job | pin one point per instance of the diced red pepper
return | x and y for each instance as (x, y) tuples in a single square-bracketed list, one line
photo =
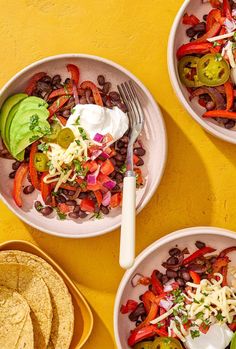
[(74, 71), (199, 253), (213, 31), (220, 114), (97, 186), (63, 208), (226, 10), (98, 196), (229, 91), (190, 19), (91, 166), (224, 272), (18, 182), (32, 170), (227, 250), (150, 316), (32, 83), (135, 159), (87, 205), (62, 120), (194, 48), (96, 94), (116, 200), (45, 188), (58, 104), (213, 16), (144, 280), (195, 277), (232, 326), (130, 306), (107, 138), (107, 167), (157, 286), (145, 332)]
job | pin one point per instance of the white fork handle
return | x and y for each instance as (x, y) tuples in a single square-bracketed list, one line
[(127, 238)]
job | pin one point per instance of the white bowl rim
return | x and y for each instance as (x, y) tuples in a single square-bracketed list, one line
[(162, 130), (181, 233), (175, 84)]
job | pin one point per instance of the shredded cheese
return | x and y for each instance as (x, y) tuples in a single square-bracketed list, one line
[(221, 37)]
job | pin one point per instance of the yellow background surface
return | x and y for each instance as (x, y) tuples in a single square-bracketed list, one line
[(198, 187)]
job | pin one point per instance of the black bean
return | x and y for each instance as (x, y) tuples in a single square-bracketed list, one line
[(46, 211), (140, 162), (43, 86), (113, 161), (135, 314), (143, 317), (91, 100), (74, 215), (172, 260), (120, 163), (200, 244), (171, 273), (159, 275), (200, 34), (118, 157), (137, 323), (65, 191), (181, 282), (198, 268), (200, 27), (82, 214), (12, 174), (68, 81), (56, 79), (46, 79), (114, 95), (125, 139), (230, 124), (174, 252), (71, 202), (165, 279), (48, 200), (16, 165), (83, 100), (77, 208), (139, 151), (106, 88), (185, 275), (108, 103), (190, 32), (120, 144), (119, 178), (101, 80), (123, 151), (71, 192), (116, 189), (82, 195), (205, 17), (38, 206), (60, 199), (192, 39), (28, 190), (213, 259), (122, 106), (104, 209), (66, 113)]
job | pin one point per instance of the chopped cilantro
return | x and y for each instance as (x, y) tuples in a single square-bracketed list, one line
[(178, 296), (234, 36), (218, 57), (200, 315), (43, 147), (61, 216), (160, 324), (219, 317), (195, 333), (72, 111), (184, 319), (196, 301), (80, 169), (97, 215), (34, 121), (77, 141), (123, 168), (54, 193), (83, 133), (83, 185), (215, 44)]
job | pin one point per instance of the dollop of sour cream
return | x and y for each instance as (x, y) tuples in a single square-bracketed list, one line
[(95, 119), (217, 337)]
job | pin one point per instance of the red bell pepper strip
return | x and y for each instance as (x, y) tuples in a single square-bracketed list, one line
[(148, 298), (67, 90), (32, 170), (199, 253), (195, 276), (227, 250), (74, 71), (157, 286), (224, 272), (62, 120), (151, 316), (58, 104), (220, 114), (190, 19), (145, 332), (226, 10), (45, 188), (212, 32), (220, 266), (194, 48), (131, 305), (213, 16), (96, 95), (98, 196), (32, 83), (18, 181), (215, 3), (107, 167), (229, 91)]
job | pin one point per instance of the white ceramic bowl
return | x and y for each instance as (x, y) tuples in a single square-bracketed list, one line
[(177, 38), (153, 137), (152, 258)]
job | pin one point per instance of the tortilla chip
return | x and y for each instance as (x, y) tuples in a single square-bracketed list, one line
[(26, 339), (63, 312), (23, 280), (14, 311)]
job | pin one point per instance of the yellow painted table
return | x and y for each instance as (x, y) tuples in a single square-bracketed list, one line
[(199, 181)]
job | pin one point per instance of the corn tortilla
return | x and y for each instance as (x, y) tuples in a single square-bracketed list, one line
[(26, 339), (63, 312)]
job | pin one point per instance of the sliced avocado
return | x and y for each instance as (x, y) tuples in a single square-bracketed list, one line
[(30, 103), (9, 103)]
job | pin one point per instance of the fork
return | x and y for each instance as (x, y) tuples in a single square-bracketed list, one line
[(136, 121)]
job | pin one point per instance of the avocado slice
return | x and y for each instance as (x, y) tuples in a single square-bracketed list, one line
[(9, 103), (26, 129), (19, 110)]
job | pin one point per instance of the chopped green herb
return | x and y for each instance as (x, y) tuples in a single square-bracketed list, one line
[(98, 215), (123, 168), (196, 301), (219, 317), (83, 185), (215, 44), (234, 36), (43, 147), (54, 193), (61, 216), (200, 315), (80, 169), (83, 134), (78, 141), (34, 121), (178, 296), (218, 57), (184, 319), (195, 333)]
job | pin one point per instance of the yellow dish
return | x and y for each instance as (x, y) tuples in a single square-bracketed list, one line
[(83, 315)]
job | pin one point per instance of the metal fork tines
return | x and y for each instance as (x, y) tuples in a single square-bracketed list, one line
[(136, 118)]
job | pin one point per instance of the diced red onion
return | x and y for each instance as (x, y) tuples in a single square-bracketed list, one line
[(105, 155), (96, 154), (98, 137), (168, 288), (216, 97), (110, 184), (166, 304), (106, 199), (92, 177)]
